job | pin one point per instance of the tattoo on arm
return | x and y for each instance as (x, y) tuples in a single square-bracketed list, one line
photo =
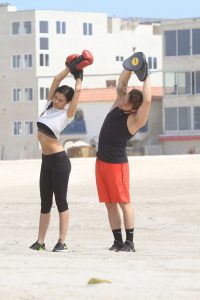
[(122, 88)]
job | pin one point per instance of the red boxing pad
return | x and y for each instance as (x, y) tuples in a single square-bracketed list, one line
[(81, 61), (82, 65), (70, 58), (88, 56)]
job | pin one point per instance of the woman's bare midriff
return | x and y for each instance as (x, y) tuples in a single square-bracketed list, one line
[(49, 145)]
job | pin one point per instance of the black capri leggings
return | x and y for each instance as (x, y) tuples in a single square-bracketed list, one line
[(54, 177)]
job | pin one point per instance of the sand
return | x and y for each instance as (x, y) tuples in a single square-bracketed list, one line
[(166, 194)]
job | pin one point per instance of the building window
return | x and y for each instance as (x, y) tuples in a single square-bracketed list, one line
[(171, 118), (44, 93), (152, 63), (27, 27), (119, 58), (44, 27), (44, 60), (184, 83), (184, 118), (110, 83), (177, 118), (177, 42), (28, 127), (87, 28), (44, 43), (17, 128), (196, 118), (170, 86), (27, 60), (196, 41), (16, 61), (15, 28), (170, 43), (184, 42), (178, 83), (60, 27), (28, 94), (197, 82), (16, 95)]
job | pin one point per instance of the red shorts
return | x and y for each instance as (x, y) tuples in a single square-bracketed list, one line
[(112, 182)]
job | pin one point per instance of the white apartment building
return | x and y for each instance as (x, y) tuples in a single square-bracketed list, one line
[(33, 47), (181, 99)]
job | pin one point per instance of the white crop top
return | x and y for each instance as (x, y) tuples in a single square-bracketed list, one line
[(55, 119)]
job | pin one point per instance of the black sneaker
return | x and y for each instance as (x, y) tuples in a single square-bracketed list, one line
[(59, 247), (37, 246), (128, 247), (116, 246)]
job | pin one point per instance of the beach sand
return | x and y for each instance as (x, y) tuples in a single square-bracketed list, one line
[(166, 194)]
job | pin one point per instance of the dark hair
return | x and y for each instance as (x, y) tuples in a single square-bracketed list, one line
[(67, 91), (135, 98)]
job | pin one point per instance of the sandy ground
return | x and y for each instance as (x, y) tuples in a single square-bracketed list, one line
[(166, 194)]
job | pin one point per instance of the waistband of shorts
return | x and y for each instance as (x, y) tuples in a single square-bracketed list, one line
[(111, 163), (52, 156)]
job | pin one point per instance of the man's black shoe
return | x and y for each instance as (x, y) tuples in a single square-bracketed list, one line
[(117, 246), (128, 247)]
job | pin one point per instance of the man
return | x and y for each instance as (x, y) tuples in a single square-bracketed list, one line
[(128, 114)]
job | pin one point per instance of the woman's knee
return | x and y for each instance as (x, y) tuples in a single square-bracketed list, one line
[(46, 205), (45, 209), (62, 205)]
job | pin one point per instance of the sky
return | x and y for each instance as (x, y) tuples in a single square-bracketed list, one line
[(164, 9)]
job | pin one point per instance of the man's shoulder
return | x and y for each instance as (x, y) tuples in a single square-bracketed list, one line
[(115, 106)]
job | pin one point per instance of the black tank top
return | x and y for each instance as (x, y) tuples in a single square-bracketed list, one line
[(113, 137)]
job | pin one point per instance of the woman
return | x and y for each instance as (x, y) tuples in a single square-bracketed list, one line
[(56, 166)]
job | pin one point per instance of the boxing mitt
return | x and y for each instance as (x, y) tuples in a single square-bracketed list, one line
[(70, 58), (143, 73), (78, 63), (137, 63)]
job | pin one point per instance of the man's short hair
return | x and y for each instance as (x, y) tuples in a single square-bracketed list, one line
[(135, 98)]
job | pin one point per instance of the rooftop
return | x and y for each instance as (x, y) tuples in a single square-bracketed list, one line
[(109, 94)]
